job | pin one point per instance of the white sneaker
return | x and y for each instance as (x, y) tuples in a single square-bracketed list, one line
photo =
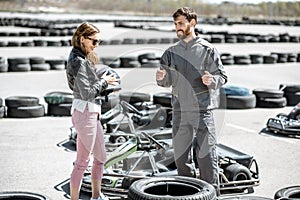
[(103, 197)]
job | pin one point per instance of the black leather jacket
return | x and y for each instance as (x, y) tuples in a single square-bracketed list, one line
[(82, 77)]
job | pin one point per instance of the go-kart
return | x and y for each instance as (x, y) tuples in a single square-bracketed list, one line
[(151, 118), (146, 155), (286, 124)]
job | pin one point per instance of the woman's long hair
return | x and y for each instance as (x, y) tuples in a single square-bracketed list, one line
[(85, 29)]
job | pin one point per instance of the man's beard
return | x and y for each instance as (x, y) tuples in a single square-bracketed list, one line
[(185, 32)]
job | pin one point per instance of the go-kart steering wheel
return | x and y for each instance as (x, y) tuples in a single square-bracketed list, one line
[(153, 140), (128, 107)]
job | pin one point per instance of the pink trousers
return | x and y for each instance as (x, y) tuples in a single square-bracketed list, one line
[(90, 139)]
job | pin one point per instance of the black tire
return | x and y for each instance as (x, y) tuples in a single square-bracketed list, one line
[(242, 60), (134, 97), (289, 88), (59, 109), (16, 101), (19, 67), (256, 58), (246, 198), (227, 59), (171, 188), (36, 60), (22, 195), (57, 64), (270, 59), (240, 102), (271, 102), (40, 67), (26, 111), (291, 192), (163, 98), (237, 172), (128, 61), (292, 98), (58, 97), (268, 93)]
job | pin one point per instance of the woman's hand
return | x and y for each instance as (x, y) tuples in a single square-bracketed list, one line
[(110, 79)]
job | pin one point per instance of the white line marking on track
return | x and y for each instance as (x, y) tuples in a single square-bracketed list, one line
[(253, 131), (242, 128)]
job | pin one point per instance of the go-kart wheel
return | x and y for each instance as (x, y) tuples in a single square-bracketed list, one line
[(120, 139), (130, 108), (292, 192), (237, 172), (171, 188)]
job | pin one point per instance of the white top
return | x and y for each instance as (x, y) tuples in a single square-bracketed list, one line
[(80, 105)]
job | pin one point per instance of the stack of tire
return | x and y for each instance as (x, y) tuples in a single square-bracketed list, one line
[(38, 64), (59, 103), (18, 64), (24, 107), (291, 93), (2, 109), (269, 98), (237, 97), (56, 64)]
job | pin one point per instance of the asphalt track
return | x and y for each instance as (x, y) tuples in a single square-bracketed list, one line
[(35, 155)]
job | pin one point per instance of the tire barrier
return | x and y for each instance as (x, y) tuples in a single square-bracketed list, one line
[(269, 98), (291, 93), (24, 107), (38, 64), (56, 64), (237, 97), (59, 103), (18, 64), (273, 58), (24, 64), (130, 41), (291, 192), (22, 196)]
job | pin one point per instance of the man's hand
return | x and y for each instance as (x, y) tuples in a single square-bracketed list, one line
[(160, 74), (207, 78)]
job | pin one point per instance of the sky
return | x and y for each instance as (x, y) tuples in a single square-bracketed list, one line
[(246, 1)]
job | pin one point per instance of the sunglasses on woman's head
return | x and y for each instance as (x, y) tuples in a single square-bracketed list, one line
[(95, 41)]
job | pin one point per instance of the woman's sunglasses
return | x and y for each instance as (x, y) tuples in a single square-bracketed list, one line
[(95, 42)]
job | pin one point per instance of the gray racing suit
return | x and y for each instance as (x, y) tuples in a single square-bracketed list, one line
[(192, 103)]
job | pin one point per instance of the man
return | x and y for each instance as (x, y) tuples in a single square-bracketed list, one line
[(194, 69)]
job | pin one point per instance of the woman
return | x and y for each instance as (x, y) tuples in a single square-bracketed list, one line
[(86, 86)]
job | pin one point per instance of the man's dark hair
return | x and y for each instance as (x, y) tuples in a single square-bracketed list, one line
[(188, 12)]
